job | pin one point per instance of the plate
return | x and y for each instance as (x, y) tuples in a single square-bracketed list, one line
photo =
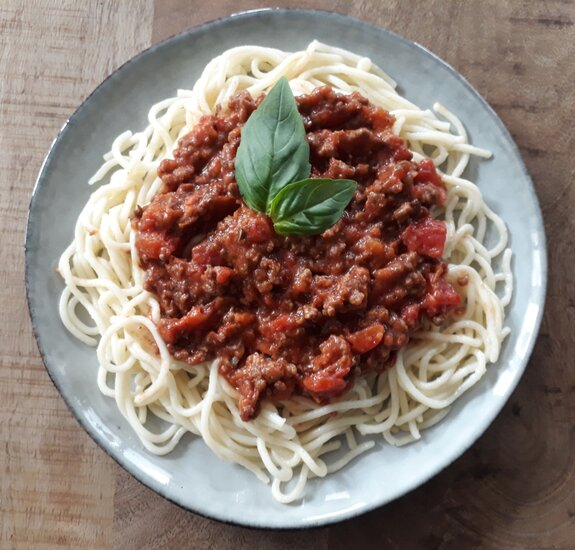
[(192, 476)]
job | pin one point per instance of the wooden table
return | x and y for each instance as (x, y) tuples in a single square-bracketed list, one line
[(514, 489)]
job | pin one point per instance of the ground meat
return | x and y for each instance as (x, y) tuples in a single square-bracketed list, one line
[(295, 314)]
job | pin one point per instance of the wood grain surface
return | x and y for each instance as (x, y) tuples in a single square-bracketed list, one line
[(515, 488)]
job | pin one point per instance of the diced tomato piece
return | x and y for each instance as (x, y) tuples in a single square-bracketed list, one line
[(331, 367), (426, 237), (366, 339), (402, 153), (197, 318), (223, 274), (428, 186), (440, 298), (269, 328), (282, 323), (326, 386), (206, 253), (382, 119), (259, 229), (410, 314), (152, 244), (427, 173)]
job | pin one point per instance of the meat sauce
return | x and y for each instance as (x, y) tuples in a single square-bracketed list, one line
[(303, 315)]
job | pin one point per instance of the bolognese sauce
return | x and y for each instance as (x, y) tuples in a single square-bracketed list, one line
[(302, 315)]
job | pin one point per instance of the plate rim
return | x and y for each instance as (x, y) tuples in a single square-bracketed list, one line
[(538, 293)]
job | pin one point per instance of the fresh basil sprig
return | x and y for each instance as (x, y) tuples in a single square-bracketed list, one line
[(310, 206), (272, 170), (273, 151)]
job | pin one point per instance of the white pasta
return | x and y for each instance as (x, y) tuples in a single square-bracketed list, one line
[(288, 442)]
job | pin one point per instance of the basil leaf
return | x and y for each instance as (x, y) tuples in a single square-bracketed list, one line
[(310, 206), (273, 150)]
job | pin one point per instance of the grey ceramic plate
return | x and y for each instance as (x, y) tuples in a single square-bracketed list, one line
[(192, 476)]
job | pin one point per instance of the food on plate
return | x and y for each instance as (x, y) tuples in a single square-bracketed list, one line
[(300, 313), (287, 261)]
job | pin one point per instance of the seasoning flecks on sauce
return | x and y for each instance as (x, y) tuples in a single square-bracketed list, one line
[(302, 315)]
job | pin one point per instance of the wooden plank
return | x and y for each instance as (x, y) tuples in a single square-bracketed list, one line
[(56, 485), (514, 489), (145, 520)]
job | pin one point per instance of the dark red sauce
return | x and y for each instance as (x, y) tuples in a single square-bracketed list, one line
[(296, 314)]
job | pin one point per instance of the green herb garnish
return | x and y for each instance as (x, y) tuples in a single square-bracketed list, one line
[(272, 170), (310, 206)]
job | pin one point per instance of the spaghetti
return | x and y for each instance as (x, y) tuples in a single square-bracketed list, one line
[(293, 438)]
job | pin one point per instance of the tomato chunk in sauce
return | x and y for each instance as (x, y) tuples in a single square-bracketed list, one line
[(302, 315)]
